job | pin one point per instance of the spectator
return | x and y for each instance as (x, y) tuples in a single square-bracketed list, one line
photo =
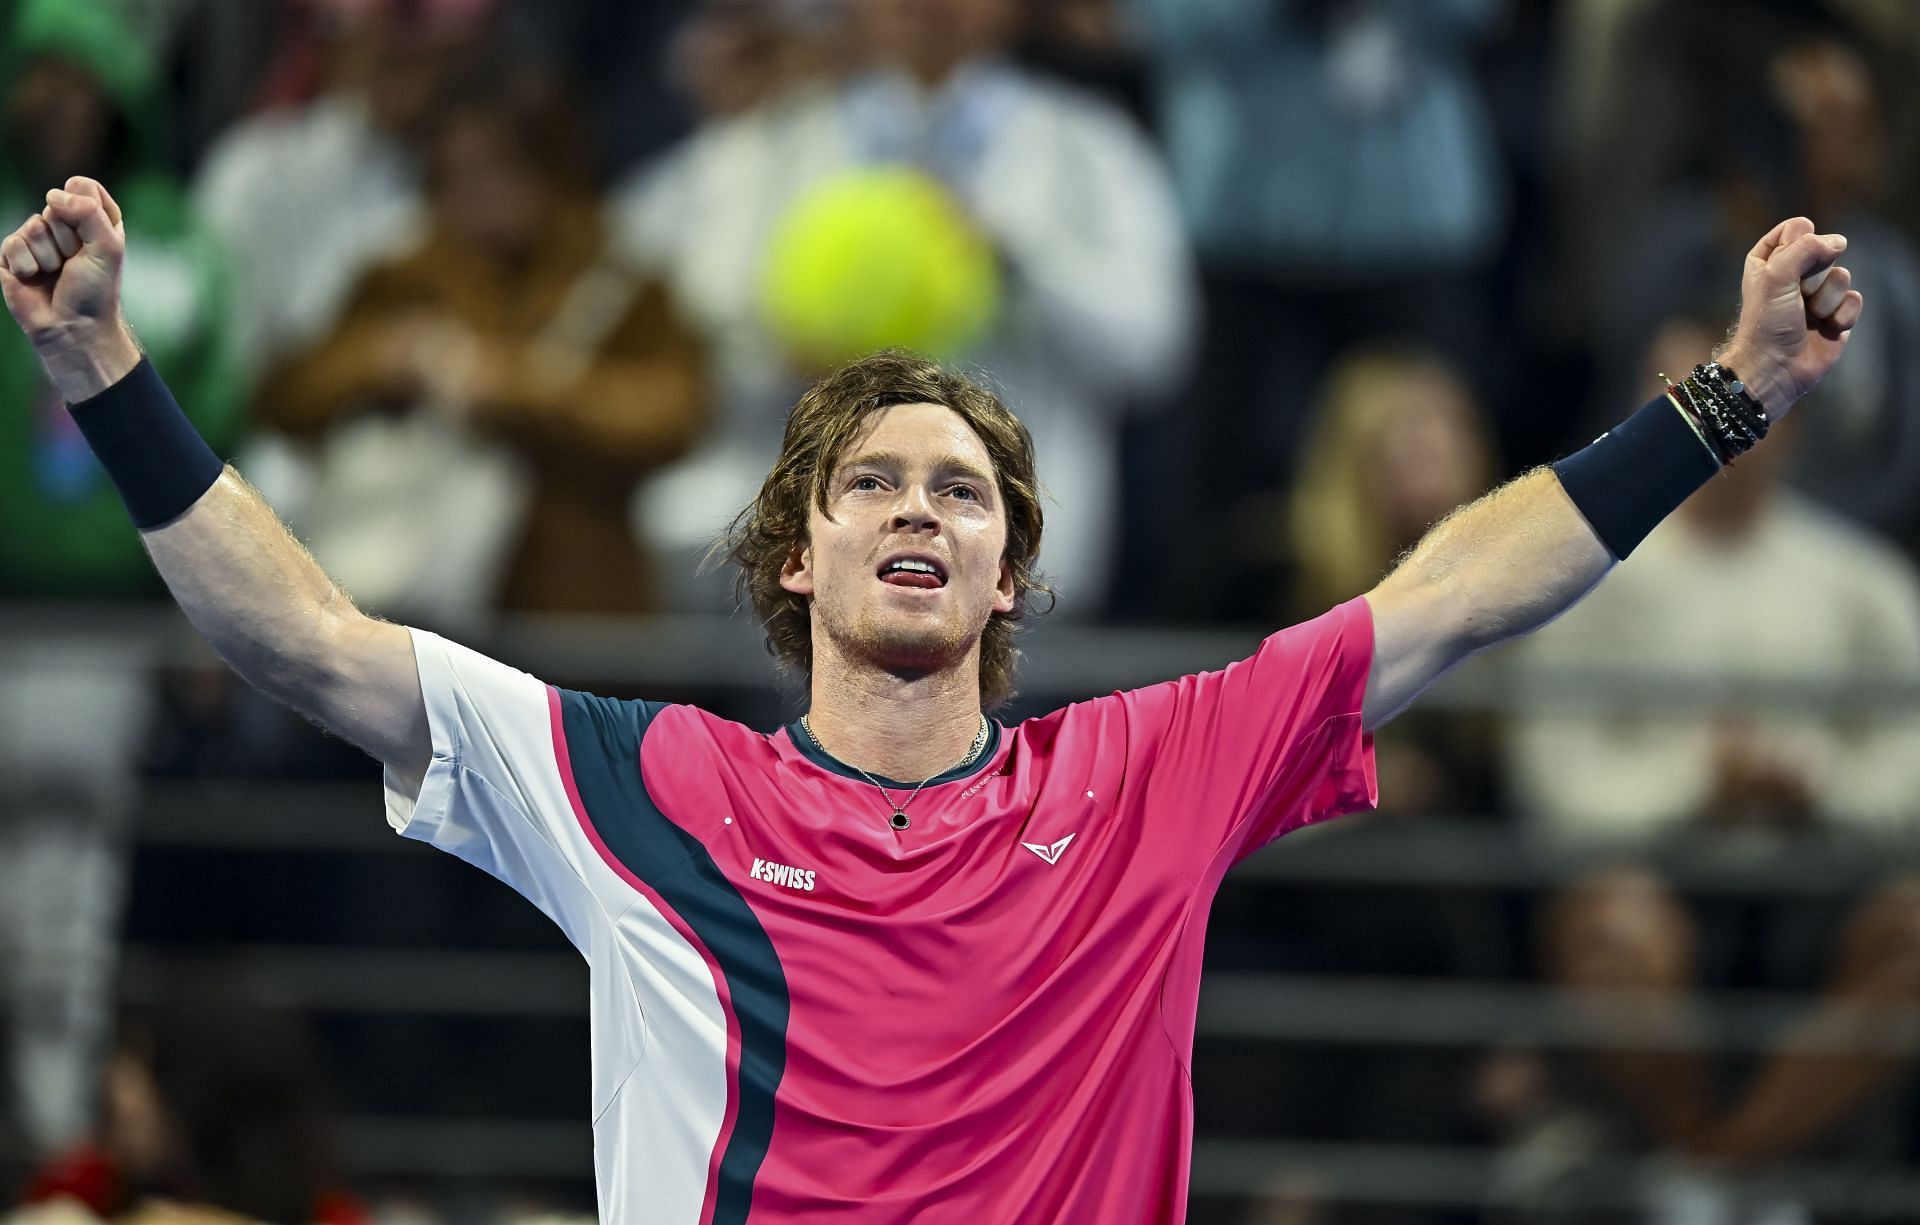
[(1331, 145), (1397, 441), (1098, 310), (615, 55), (1813, 141), (212, 1114), (81, 97), (1093, 44), (309, 194), (1623, 943), (1861, 450), (1340, 175), (1748, 581), (502, 386), (733, 56)]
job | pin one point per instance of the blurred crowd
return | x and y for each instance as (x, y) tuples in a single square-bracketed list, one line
[(501, 303)]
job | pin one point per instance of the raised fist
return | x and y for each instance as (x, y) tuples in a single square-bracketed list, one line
[(1797, 305), (60, 275)]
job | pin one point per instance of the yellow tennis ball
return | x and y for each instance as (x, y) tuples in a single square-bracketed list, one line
[(873, 259)]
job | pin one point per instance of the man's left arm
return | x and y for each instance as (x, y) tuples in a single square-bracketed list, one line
[(1515, 559)]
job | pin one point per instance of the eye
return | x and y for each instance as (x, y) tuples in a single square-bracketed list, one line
[(864, 484), (965, 492)]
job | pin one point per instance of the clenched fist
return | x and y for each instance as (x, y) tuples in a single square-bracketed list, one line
[(60, 275), (1797, 305)]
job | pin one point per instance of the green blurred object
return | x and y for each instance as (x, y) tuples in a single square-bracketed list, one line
[(63, 531), (95, 36), (874, 259)]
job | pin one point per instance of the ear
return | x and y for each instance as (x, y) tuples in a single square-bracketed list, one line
[(1003, 589), (796, 573)]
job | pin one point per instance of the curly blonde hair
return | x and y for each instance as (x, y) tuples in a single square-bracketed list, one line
[(826, 421)]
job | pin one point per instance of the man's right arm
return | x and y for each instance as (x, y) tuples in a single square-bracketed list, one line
[(243, 580), (274, 616)]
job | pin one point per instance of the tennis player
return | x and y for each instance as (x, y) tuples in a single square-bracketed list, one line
[(896, 961)]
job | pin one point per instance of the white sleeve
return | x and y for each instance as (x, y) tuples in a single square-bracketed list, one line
[(494, 793)]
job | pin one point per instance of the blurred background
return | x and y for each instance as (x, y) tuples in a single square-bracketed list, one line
[(501, 302)]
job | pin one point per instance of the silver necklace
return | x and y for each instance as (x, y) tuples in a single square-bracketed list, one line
[(898, 819)]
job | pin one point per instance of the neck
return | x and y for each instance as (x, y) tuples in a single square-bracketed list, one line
[(893, 725), (934, 67)]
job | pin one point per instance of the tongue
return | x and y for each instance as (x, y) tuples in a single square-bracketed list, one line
[(910, 578)]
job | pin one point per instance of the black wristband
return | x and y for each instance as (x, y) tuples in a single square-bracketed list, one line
[(156, 459), (1636, 474)]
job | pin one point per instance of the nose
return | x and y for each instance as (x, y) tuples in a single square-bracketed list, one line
[(914, 510)]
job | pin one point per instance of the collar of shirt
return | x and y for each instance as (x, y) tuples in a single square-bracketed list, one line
[(946, 130)]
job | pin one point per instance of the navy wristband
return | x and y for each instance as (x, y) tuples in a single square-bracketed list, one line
[(1636, 474), (155, 457)]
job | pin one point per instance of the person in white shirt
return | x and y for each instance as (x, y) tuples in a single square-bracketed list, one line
[(308, 197), (1099, 307), (1841, 605), (1748, 583)]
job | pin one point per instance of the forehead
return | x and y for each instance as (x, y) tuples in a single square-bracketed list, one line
[(928, 433)]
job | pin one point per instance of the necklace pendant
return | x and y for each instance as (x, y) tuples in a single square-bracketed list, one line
[(898, 820)]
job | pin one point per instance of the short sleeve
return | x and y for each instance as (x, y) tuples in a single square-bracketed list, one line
[(497, 790), (1270, 743)]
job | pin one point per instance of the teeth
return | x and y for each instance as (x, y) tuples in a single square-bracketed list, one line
[(918, 566)]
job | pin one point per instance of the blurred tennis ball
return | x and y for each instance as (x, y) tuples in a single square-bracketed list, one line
[(873, 259)]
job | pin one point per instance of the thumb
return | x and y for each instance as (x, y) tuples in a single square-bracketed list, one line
[(1807, 256), (81, 185)]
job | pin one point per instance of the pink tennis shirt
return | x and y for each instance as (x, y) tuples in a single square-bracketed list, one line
[(801, 1014)]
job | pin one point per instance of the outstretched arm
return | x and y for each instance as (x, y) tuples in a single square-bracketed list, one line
[(245, 583), (1492, 570), (1520, 556)]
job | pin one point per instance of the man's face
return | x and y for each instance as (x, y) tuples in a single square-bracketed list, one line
[(57, 119), (906, 571), (930, 36)]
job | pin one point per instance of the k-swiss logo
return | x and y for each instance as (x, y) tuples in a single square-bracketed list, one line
[(1049, 853), (781, 874)]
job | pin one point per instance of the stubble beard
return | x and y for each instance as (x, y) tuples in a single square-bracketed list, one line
[(899, 643)]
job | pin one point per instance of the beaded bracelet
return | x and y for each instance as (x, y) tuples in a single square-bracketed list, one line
[(1726, 389), (1684, 399), (1717, 405)]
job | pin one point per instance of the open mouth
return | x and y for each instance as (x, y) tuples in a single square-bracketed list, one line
[(919, 572)]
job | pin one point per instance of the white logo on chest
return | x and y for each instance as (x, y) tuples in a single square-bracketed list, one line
[(782, 874), (1049, 853)]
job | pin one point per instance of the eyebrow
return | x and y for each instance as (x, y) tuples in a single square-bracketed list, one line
[(952, 464)]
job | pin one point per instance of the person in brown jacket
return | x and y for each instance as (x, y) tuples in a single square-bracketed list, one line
[(540, 377)]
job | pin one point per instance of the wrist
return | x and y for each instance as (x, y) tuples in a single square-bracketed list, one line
[(1764, 381), (149, 448), (1637, 473), (82, 366)]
